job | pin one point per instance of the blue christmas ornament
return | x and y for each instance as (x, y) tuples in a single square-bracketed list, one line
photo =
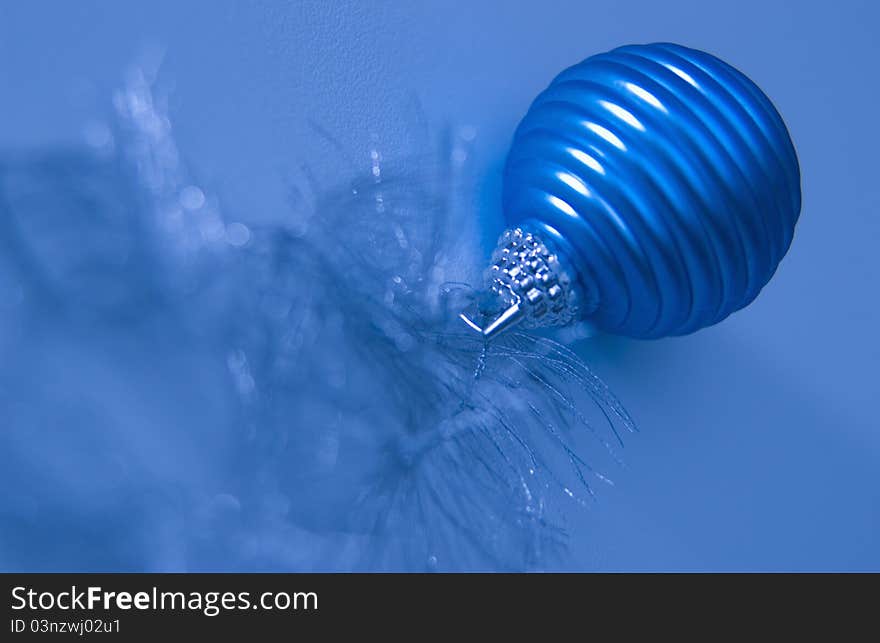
[(651, 190)]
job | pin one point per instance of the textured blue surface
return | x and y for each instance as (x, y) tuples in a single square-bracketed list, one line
[(671, 177), (759, 443)]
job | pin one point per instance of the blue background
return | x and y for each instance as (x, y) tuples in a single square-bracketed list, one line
[(760, 440)]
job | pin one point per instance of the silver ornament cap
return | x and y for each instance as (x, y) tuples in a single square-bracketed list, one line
[(527, 285)]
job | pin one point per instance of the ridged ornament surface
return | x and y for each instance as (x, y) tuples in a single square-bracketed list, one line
[(668, 180)]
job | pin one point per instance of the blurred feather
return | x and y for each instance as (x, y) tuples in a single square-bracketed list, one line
[(290, 397)]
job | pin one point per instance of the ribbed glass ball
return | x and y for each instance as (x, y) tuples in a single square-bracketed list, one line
[(665, 177)]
